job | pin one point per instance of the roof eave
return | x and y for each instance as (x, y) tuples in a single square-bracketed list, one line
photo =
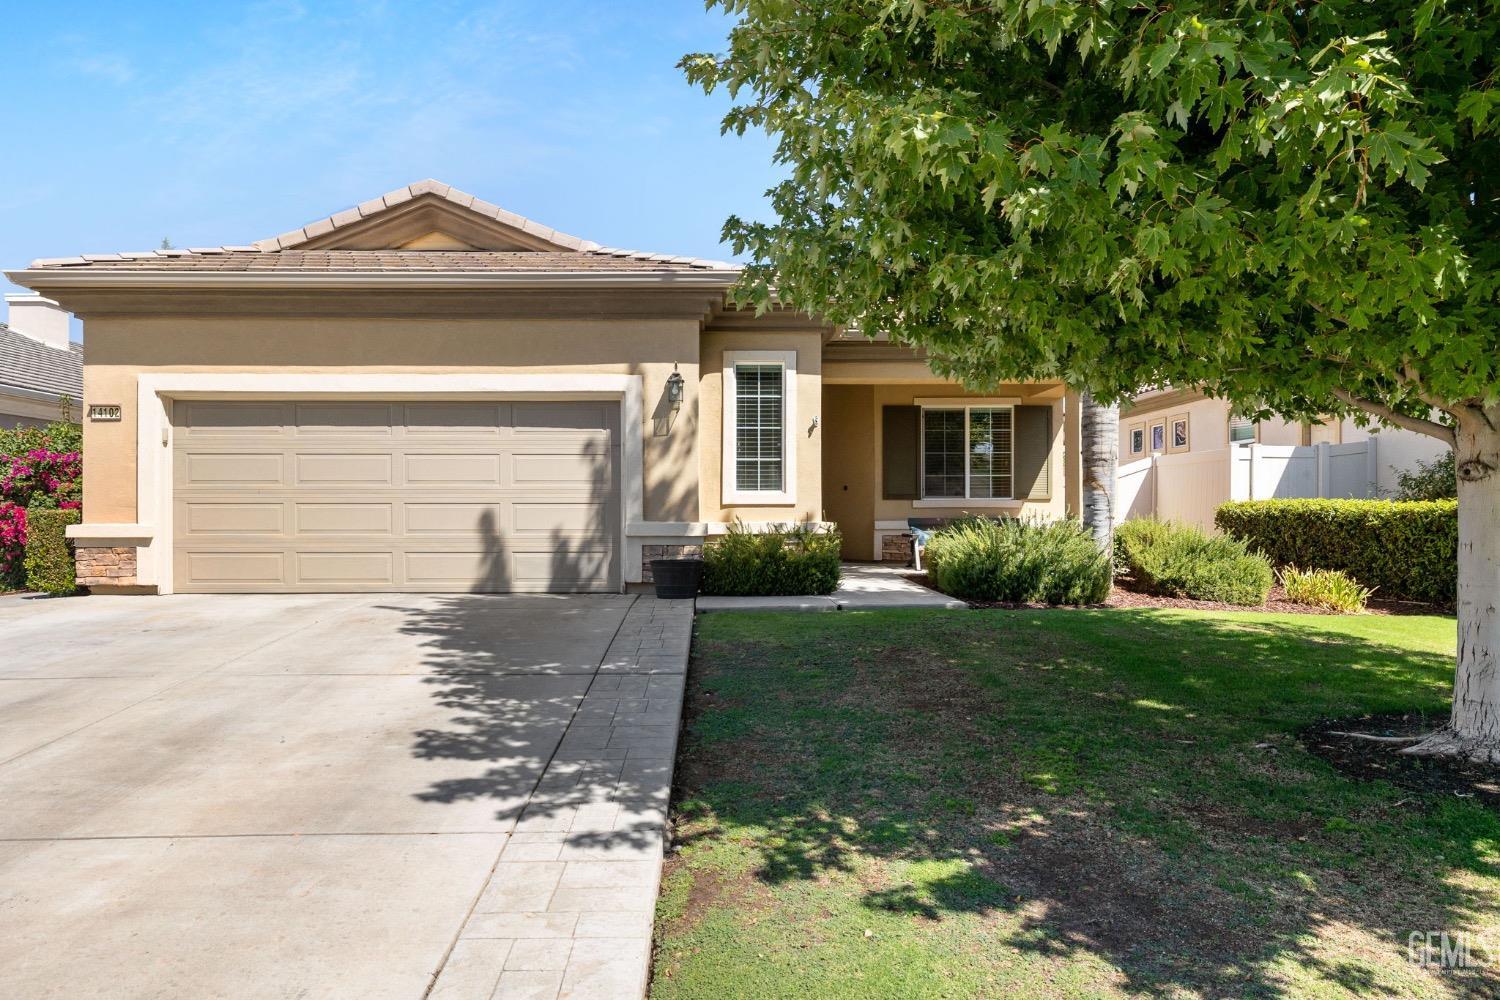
[(87, 277), (36, 395)]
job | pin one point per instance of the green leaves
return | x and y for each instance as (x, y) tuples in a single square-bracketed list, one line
[(1272, 203)]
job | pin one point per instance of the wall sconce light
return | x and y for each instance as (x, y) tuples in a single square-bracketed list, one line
[(674, 389)]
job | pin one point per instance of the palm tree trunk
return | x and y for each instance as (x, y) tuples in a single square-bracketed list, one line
[(1100, 427)]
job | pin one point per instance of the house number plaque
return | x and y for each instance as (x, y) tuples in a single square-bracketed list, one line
[(104, 411)]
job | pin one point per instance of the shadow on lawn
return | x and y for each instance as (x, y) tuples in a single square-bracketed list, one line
[(1118, 784)]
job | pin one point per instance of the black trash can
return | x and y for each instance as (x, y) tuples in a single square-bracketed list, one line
[(677, 578)]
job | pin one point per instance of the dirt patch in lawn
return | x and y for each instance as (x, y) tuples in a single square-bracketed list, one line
[(1075, 882), (1125, 595), (1371, 760)]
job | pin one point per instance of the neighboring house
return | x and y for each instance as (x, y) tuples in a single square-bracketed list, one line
[(39, 367), (1183, 453), (426, 392)]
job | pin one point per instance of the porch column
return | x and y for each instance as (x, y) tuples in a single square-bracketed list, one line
[(1072, 455)]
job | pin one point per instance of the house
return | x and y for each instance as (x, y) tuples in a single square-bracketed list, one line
[(41, 371), (1183, 453), (426, 392)]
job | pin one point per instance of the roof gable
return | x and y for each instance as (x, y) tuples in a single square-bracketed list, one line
[(427, 215)]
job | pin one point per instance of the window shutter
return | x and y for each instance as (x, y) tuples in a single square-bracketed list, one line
[(1033, 453), (900, 452)]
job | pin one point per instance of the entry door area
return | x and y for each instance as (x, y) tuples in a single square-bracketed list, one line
[(396, 495)]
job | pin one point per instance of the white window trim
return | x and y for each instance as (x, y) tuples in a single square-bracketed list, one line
[(732, 494), (1254, 437), (966, 500)]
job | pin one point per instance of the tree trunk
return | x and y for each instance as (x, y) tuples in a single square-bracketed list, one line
[(1100, 427), (1474, 729)]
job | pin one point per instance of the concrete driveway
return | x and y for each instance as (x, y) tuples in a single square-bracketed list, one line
[(308, 796)]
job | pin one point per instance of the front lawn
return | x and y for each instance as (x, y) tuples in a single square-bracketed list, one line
[(1060, 804)]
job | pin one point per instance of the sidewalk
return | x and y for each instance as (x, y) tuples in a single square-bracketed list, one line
[(568, 909)]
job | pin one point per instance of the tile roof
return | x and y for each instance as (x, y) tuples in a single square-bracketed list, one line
[(229, 260), (29, 364), (561, 253)]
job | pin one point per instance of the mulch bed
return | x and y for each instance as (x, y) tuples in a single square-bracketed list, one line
[(1369, 760), (1125, 596)]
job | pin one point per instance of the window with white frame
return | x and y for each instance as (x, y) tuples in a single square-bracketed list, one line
[(759, 413), (1241, 430), (968, 453), (760, 416)]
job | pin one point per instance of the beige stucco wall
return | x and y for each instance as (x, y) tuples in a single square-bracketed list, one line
[(1208, 427), (121, 348), (808, 494)]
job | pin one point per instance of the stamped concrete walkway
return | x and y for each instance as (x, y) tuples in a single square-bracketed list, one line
[(334, 796)]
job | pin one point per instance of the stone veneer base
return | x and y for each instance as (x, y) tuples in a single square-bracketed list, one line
[(105, 566), (650, 552)]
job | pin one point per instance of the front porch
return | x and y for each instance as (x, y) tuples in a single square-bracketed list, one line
[(901, 442)]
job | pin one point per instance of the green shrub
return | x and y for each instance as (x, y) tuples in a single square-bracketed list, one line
[(1434, 480), (1404, 550), (49, 556), (794, 561), (1324, 588), (1050, 562), (1179, 560)]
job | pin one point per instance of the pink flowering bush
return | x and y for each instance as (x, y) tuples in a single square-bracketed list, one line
[(40, 468), (12, 545)]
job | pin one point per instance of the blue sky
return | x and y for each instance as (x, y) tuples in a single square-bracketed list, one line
[(215, 123)]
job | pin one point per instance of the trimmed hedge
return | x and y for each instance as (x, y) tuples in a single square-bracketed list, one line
[(1406, 550), (1016, 561), (49, 556), (1179, 560), (793, 562)]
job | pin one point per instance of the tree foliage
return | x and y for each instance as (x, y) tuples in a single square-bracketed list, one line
[(1291, 204)]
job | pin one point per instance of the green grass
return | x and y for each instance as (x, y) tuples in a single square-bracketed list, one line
[(1059, 804)]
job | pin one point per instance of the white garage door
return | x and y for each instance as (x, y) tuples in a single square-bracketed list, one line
[(313, 496)]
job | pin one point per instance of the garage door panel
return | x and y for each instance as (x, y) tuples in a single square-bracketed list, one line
[(232, 518), (344, 518), (359, 418), (532, 418), (454, 518), (559, 516), (211, 567), (447, 495), (231, 419), (478, 568), (209, 469), (463, 419), (457, 468), (564, 568), (584, 470), (358, 569), (318, 467)]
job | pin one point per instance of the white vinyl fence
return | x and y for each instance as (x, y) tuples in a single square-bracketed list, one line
[(1190, 486)]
